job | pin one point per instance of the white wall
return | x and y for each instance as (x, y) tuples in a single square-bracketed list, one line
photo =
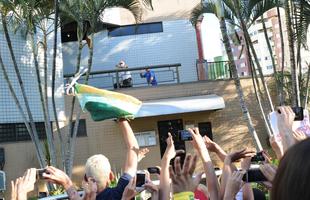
[(211, 37), (22, 50), (176, 44)]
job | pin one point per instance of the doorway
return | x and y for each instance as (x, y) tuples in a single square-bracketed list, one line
[(171, 126)]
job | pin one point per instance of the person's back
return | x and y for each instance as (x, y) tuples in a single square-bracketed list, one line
[(292, 180)]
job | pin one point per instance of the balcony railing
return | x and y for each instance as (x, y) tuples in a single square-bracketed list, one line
[(215, 70), (107, 79)]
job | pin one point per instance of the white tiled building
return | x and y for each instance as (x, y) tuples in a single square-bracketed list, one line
[(24, 57), (176, 43)]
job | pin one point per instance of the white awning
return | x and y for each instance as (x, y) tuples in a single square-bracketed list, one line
[(180, 105)]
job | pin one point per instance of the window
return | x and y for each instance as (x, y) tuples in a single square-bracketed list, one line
[(242, 65), (156, 27), (269, 67), (18, 132), (82, 131), (147, 138)]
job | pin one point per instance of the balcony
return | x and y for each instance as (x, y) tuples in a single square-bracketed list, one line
[(110, 79)]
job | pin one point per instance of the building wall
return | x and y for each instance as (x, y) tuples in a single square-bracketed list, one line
[(228, 125), (22, 50), (176, 44), (229, 128)]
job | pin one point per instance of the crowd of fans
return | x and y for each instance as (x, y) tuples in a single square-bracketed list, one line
[(289, 180)]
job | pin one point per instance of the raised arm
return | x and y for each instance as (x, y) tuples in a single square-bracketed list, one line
[(285, 117), (132, 148), (214, 147), (228, 167), (212, 183), (164, 187)]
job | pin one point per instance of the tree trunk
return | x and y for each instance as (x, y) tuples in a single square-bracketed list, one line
[(47, 119), (272, 58), (233, 68), (258, 95), (47, 127), (21, 84), (70, 130), (62, 146), (295, 88), (307, 88), (77, 119), (251, 47), (281, 88)]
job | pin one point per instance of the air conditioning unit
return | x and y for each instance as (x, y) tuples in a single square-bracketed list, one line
[(2, 181)]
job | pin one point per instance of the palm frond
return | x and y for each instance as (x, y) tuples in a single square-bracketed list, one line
[(210, 7), (259, 7), (301, 16)]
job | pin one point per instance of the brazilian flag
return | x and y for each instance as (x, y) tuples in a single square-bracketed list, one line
[(104, 104)]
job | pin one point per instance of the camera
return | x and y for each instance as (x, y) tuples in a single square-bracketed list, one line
[(258, 157), (153, 170), (140, 181), (185, 135), (254, 175)]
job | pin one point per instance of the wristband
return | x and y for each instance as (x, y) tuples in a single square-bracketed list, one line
[(184, 196)]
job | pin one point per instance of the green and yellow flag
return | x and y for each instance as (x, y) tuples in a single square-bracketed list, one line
[(104, 104)]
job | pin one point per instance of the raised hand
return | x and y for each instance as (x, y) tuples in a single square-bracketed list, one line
[(23, 185), (211, 146), (234, 184), (90, 188), (299, 136), (269, 171), (277, 147), (130, 190), (142, 153), (182, 179), (285, 118), (57, 176), (237, 155)]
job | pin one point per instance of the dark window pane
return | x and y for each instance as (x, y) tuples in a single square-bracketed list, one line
[(22, 133), (7, 132), (18, 132), (136, 29)]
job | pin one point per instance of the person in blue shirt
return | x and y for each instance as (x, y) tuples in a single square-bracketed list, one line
[(150, 77)]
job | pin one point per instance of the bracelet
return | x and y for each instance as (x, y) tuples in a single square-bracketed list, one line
[(184, 196)]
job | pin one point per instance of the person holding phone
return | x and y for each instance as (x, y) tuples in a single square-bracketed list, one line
[(98, 169)]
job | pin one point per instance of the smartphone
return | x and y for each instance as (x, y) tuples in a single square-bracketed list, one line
[(40, 173), (185, 135), (258, 157), (299, 113), (254, 175), (140, 181), (153, 170)]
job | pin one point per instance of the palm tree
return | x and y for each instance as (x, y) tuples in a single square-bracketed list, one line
[(87, 16), (217, 8), (7, 6), (295, 89), (35, 14)]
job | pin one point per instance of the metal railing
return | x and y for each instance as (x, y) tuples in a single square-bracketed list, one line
[(109, 79), (215, 70)]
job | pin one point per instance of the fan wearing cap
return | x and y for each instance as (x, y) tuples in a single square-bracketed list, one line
[(125, 79)]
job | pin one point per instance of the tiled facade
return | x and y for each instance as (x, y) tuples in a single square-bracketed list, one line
[(176, 44), (23, 53)]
